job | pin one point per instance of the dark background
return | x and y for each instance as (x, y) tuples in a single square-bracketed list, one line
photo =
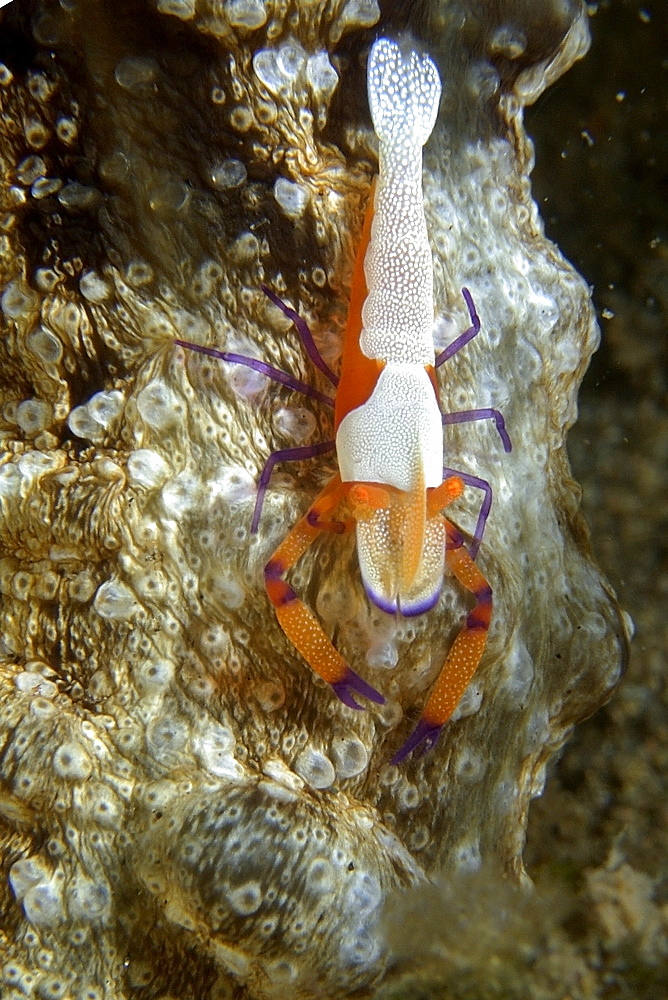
[(601, 181)]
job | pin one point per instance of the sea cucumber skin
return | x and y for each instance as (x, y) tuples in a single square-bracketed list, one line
[(187, 812)]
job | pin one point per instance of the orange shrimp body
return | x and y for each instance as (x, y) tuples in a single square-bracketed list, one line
[(389, 430), (391, 487)]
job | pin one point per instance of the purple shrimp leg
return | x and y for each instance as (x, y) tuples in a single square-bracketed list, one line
[(466, 415), (305, 334), (260, 366), (285, 455), (463, 338), (487, 413), (480, 484)]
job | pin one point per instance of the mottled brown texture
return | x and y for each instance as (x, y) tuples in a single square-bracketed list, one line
[(187, 811)]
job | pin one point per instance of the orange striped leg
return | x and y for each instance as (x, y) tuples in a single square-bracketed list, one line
[(299, 624), (466, 652)]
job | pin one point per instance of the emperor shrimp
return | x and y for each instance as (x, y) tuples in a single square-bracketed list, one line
[(392, 487)]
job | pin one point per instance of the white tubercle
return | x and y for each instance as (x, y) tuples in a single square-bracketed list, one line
[(398, 315)]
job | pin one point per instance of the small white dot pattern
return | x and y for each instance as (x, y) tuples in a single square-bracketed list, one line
[(396, 437), (398, 315)]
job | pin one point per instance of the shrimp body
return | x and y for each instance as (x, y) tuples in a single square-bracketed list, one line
[(389, 426), (394, 436), (391, 487)]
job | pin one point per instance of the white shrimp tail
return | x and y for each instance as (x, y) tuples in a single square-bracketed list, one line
[(404, 92)]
